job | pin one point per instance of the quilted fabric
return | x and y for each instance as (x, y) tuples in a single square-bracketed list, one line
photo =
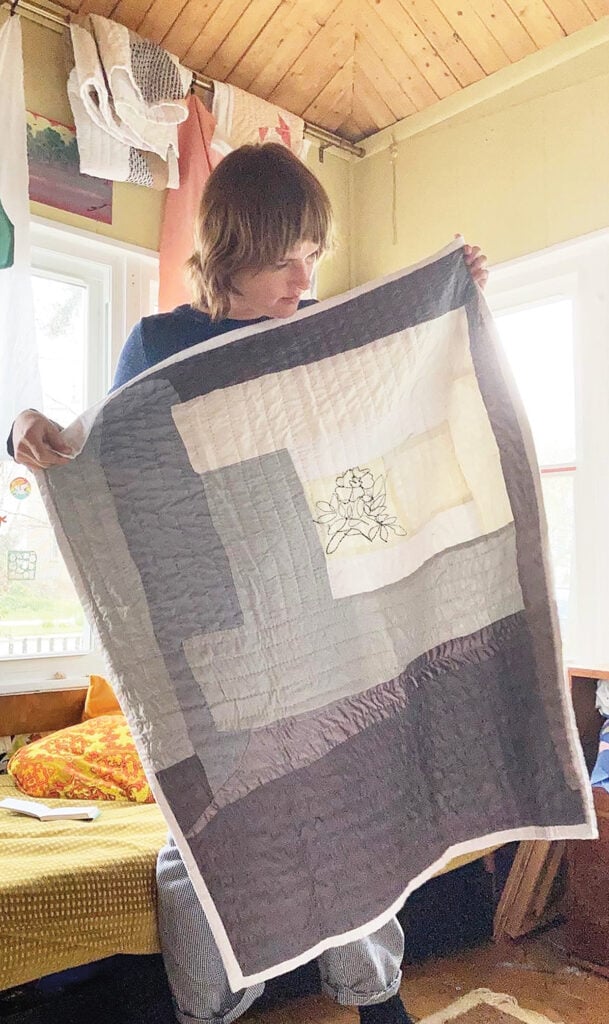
[(95, 760), (315, 555)]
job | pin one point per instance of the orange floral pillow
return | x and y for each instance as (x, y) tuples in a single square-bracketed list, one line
[(95, 760)]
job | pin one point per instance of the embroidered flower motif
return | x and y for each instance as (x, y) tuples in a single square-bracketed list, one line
[(358, 506), (355, 483)]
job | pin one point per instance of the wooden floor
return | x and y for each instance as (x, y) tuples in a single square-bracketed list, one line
[(533, 971)]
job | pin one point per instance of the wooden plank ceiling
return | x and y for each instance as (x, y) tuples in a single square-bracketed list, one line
[(350, 66)]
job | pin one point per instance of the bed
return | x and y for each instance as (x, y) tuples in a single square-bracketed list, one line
[(73, 891)]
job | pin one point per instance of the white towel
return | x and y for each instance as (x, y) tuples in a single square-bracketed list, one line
[(127, 97), (242, 118)]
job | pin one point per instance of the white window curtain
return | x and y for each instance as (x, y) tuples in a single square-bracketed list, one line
[(19, 374)]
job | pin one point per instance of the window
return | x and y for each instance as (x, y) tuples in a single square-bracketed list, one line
[(39, 610), (538, 342), (552, 314), (87, 294)]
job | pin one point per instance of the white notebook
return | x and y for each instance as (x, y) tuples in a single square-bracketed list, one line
[(45, 813)]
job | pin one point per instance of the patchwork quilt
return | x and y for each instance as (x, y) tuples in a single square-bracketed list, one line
[(315, 554)]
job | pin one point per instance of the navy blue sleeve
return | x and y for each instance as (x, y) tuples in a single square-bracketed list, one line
[(132, 360)]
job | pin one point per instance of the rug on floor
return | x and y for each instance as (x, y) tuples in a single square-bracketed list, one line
[(485, 1007)]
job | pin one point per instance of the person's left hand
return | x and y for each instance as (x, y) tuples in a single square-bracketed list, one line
[(477, 264)]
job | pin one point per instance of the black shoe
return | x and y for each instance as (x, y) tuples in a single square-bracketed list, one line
[(390, 1012)]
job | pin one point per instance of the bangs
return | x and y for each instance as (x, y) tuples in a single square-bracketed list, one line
[(263, 235)]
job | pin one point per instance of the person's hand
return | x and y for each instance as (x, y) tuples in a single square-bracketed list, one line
[(477, 264), (37, 441)]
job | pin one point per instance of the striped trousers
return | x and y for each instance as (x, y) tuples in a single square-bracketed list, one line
[(358, 974)]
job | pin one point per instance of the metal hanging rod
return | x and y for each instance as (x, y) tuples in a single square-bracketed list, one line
[(53, 14), (57, 15)]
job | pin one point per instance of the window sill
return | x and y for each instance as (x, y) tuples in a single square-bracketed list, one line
[(36, 675)]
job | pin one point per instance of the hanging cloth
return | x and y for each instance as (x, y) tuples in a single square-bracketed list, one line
[(127, 98), (242, 118), (20, 379), (197, 160)]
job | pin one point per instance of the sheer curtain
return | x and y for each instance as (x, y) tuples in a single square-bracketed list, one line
[(19, 373)]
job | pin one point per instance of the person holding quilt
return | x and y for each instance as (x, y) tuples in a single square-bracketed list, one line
[(264, 223)]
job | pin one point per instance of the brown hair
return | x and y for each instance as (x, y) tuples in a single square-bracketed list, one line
[(257, 204)]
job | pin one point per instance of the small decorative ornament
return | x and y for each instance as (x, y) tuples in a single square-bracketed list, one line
[(21, 565), (20, 488), (358, 506)]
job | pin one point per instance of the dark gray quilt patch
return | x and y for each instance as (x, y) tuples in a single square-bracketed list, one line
[(388, 802), (186, 789)]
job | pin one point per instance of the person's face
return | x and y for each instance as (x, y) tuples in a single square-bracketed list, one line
[(276, 290)]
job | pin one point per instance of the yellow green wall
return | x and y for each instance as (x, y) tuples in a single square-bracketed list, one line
[(516, 173), (335, 175), (137, 211)]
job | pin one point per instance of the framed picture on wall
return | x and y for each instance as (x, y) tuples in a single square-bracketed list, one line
[(55, 177)]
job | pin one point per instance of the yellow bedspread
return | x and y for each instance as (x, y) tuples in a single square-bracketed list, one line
[(76, 891)]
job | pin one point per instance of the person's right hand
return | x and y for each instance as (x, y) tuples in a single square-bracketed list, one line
[(37, 441)]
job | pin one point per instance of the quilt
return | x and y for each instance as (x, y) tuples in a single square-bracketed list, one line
[(315, 554)]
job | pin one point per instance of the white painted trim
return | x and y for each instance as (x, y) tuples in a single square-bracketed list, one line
[(32, 675), (99, 241), (43, 686), (557, 252)]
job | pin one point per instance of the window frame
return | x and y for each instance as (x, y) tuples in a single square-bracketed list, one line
[(579, 270), (122, 282)]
